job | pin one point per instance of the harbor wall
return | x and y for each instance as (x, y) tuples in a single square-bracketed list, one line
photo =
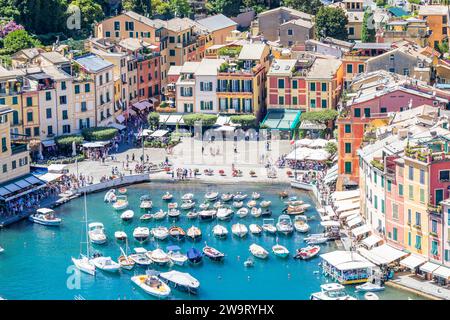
[(308, 187), (125, 180)]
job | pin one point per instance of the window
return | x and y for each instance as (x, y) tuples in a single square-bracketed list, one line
[(389, 185), (422, 176), (434, 248), (49, 113), (36, 131), (4, 146), (171, 39), (294, 101), (49, 130), (294, 84), (312, 86), (30, 116), (289, 32), (409, 216), (411, 192), (116, 25), (382, 206), (357, 112), (83, 106), (280, 83), (313, 103), (5, 168), (66, 128), (48, 96), (324, 103), (444, 175), (77, 89), (348, 128), (348, 167), (367, 112), (281, 100), (15, 117), (63, 100), (87, 87), (360, 68), (63, 85), (348, 147), (375, 202), (107, 34), (394, 230), (14, 100), (422, 195), (349, 68), (29, 101), (418, 216), (172, 53), (64, 115), (324, 86), (351, 31), (395, 211), (418, 242), (409, 238), (14, 164), (410, 173), (434, 225)]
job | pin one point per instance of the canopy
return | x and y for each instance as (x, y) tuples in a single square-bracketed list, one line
[(222, 120), (14, 188), (117, 126), (48, 143), (371, 240), (361, 230), (98, 144), (349, 213), (346, 260), (330, 223), (332, 174), (442, 272), (57, 168), (131, 112), (120, 118), (49, 177), (413, 261), (299, 154), (44, 210), (225, 129), (348, 206), (159, 133), (282, 119), (354, 222), (142, 105), (342, 195), (303, 142), (383, 254), (318, 155), (318, 143), (174, 119), (429, 267), (145, 133)]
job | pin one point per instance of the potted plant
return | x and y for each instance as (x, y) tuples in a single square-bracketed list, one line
[(221, 172), (289, 173), (252, 173)]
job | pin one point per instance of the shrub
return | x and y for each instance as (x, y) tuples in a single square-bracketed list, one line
[(67, 141), (206, 119), (99, 133), (153, 119), (68, 160), (331, 148), (319, 116), (246, 121)]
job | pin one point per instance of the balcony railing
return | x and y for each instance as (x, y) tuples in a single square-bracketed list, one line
[(18, 148), (433, 209)]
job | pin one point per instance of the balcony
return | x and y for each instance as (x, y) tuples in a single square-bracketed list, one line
[(18, 148), (433, 209)]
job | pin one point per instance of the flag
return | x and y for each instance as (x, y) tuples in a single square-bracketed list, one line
[(140, 131), (292, 142)]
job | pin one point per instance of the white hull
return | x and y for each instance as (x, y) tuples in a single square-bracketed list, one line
[(51, 223), (106, 264), (239, 230), (258, 251), (162, 290), (85, 265)]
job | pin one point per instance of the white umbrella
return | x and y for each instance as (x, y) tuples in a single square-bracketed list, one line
[(299, 154), (318, 155), (303, 142), (74, 149), (41, 156), (318, 143)]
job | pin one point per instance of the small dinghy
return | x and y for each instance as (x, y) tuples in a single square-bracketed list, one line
[(268, 226), (211, 196), (110, 196), (152, 285), (256, 212), (238, 204), (160, 215), (121, 203), (218, 205), (146, 217), (255, 229), (265, 203), (187, 197), (370, 287), (194, 233), (146, 205), (194, 256), (175, 255), (227, 197), (213, 253), (256, 195), (158, 256), (181, 281), (167, 196), (266, 212), (242, 212), (125, 262), (140, 258), (141, 234), (207, 214), (307, 252), (224, 214), (371, 296), (204, 205), (174, 213), (316, 240), (172, 205), (240, 230), (300, 224), (160, 233), (220, 231), (280, 251), (239, 196), (192, 214), (127, 215), (251, 203), (187, 205), (177, 233), (106, 264), (123, 190), (258, 251), (120, 235)]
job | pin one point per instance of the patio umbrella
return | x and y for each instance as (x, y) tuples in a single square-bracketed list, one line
[(74, 149)]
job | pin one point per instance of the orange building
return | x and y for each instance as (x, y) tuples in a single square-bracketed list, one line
[(437, 18)]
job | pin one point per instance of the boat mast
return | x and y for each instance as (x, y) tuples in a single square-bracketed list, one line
[(86, 225)]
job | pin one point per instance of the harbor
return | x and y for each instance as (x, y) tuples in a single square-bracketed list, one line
[(48, 247)]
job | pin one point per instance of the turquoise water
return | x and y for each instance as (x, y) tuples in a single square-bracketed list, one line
[(36, 258)]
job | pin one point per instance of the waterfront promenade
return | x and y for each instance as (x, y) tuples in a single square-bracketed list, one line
[(419, 286)]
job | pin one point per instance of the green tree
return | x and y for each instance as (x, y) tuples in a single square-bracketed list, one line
[(18, 40), (143, 7), (161, 7), (368, 27), (153, 120), (9, 10), (308, 6), (246, 121), (229, 8), (331, 148), (206, 119), (331, 22), (322, 116), (91, 12), (180, 8)]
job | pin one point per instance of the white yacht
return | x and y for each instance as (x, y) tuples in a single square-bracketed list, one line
[(106, 264), (97, 233), (331, 291), (45, 217)]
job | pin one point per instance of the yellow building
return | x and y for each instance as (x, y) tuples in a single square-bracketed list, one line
[(10, 89)]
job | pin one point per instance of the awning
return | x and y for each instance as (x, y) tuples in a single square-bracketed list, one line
[(222, 120), (359, 231), (347, 207), (318, 143), (346, 260), (429, 267), (383, 254), (442, 272), (117, 126), (120, 118), (56, 168), (174, 119), (371, 240), (131, 112), (153, 99), (412, 261), (342, 195), (318, 155), (303, 142), (309, 125), (282, 119), (18, 187), (49, 177), (159, 133), (141, 105), (299, 154), (354, 222), (330, 223), (98, 144), (145, 133), (48, 143), (163, 118), (350, 213)]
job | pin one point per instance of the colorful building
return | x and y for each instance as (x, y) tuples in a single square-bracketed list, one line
[(437, 18)]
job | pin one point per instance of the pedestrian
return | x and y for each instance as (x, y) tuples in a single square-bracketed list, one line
[(132, 157)]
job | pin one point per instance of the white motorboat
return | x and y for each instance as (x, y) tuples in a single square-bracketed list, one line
[(307, 252), (213, 253), (146, 217), (194, 233), (280, 251), (174, 213), (152, 285), (284, 224), (239, 196), (294, 202), (110, 196), (204, 205), (249, 263), (255, 229), (242, 212), (331, 291), (227, 197), (120, 235), (158, 256), (371, 296), (211, 196), (141, 234), (127, 215), (175, 255), (251, 203), (207, 214), (218, 205), (265, 203), (240, 230), (159, 215), (123, 190), (172, 205), (146, 205), (189, 204), (220, 231), (192, 214), (256, 212), (370, 287), (224, 214), (269, 226), (45, 217), (238, 204), (300, 224), (316, 240), (160, 233), (177, 233), (181, 280), (121, 203), (258, 251), (140, 258), (167, 196), (106, 264), (97, 233), (256, 195), (124, 261), (187, 197)]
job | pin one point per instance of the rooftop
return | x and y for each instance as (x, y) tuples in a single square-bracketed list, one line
[(176, 24), (92, 63), (208, 67), (300, 22), (433, 10), (299, 14), (252, 51), (144, 20), (217, 22)]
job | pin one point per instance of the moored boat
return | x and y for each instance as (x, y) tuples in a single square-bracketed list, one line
[(167, 196), (177, 233), (192, 214), (160, 233), (127, 215), (331, 291), (207, 214), (371, 296), (370, 287), (141, 234), (218, 205), (146, 217), (158, 256), (175, 255), (159, 215), (110, 196), (238, 204), (211, 195), (256, 212), (265, 203), (242, 212), (146, 205), (172, 205), (120, 235), (97, 233), (123, 190), (240, 230), (284, 224), (121, 203), (174, 213), (251, 203), (189, 204), (256, 195), (226, 197), (307, 252), (213, 253), (266, 212), (300, 224), (239, 196), (280, 251), (46, 217), (181, 280), (106, 264), (258, 251), (269, 226), (140, 258), (255, 229), (152, 285), (194, 256), (187, 197), (316, 240), (124, 261), (194, 233), (204, 205), (220, 231), (224, 214)]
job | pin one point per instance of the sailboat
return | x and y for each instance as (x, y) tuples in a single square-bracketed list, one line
[(124, 261), (83, 263)]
